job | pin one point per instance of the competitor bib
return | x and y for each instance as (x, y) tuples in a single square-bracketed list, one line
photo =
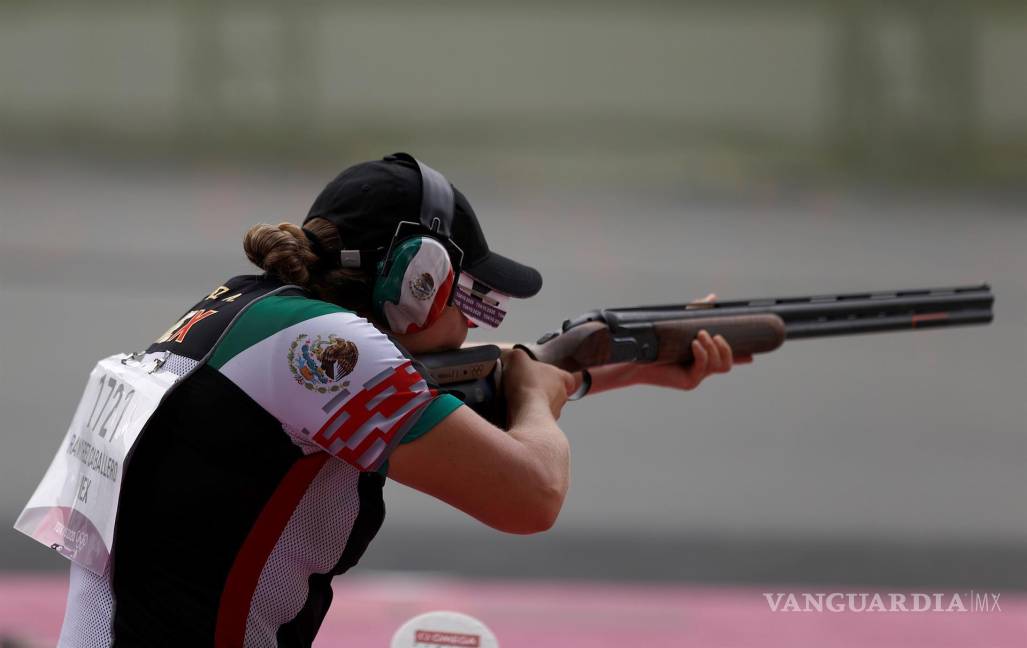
[(74, 508)]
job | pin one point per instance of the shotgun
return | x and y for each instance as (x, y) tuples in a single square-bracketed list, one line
[(664, 333)]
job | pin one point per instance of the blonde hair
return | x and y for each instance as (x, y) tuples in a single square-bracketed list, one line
[(285, 251)]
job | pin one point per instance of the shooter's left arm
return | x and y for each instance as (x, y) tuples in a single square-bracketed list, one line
[(712, 355)]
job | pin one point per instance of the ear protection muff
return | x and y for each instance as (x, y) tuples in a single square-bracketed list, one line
[(412, 293), (416, 279)]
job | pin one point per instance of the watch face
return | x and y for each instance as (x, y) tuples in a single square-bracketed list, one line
[(482, 304)]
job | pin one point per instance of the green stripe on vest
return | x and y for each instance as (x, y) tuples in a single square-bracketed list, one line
[(265, 318), (441, 406)]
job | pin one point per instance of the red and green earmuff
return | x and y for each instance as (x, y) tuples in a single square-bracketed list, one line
[(415, 287)]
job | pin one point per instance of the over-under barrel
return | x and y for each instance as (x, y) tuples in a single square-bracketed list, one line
[(827, 315)]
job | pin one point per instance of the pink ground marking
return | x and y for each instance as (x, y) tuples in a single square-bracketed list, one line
[(369, 608)]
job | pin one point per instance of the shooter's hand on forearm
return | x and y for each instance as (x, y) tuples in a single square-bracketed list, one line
[(712, 355)]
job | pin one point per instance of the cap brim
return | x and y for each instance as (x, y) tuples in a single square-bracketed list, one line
[(506, 275)]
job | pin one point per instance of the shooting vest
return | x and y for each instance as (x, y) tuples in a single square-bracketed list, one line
[(256, 479)]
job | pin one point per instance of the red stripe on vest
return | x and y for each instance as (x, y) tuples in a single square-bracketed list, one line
[(242, 580), (403, 380)]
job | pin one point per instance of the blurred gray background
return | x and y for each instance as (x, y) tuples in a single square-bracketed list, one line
[(639, 153)]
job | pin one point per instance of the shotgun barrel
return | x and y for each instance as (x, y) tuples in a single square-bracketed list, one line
[(827, 315)]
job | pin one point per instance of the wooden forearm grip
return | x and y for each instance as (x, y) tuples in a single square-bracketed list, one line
[(589, 344), (747, 334)]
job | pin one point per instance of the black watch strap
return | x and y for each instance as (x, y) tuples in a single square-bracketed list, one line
[(586, 385)]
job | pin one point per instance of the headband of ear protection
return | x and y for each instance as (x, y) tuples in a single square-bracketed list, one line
[(415, 280)]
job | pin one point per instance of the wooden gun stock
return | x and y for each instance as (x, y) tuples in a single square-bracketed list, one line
[(587, 345)]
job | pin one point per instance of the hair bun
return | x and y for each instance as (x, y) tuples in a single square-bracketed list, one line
[(282, 250)]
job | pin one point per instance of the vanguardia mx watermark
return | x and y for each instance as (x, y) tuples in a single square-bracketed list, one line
[(883, 602)]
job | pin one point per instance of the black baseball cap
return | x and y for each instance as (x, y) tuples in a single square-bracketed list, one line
[(367, 201)]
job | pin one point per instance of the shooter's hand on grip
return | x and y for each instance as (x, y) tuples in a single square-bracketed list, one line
[(513, 479), (526, 380)]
